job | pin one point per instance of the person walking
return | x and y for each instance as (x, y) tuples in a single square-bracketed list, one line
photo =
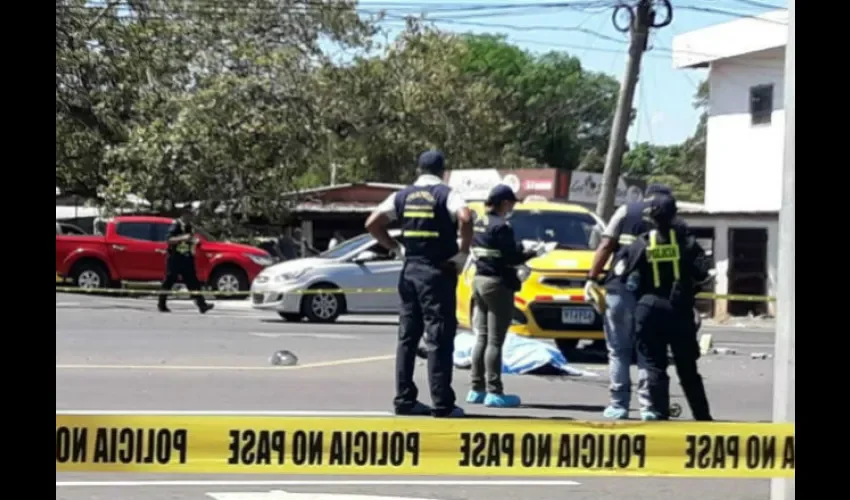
[(180, 262)]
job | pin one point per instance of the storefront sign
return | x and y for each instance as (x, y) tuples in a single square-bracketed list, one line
[(476, 184), (585, 188)]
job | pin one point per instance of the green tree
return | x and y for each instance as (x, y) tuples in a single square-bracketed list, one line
[(413, 97), (560, 114), (207, 100), (681, 166)]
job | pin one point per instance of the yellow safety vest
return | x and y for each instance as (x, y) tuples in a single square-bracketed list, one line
[(656, 254)]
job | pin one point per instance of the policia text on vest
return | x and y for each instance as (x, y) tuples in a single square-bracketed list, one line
[(384, 446)]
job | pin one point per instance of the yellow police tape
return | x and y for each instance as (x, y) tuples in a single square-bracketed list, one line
[(213, 293), (410, 446)]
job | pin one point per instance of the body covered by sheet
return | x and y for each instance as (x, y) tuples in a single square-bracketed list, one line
[(520, 355)]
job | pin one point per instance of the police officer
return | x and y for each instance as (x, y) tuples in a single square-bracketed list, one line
[(662, 270), (429, 213), (497, 254), (627, 222), (180, 262)]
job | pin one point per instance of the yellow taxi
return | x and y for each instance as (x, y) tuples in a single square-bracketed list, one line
[(551, 303)]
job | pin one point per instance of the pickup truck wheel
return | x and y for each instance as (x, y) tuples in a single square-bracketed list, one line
[(90, 276), (229, 279)]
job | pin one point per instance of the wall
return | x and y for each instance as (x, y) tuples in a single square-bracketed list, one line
[(744, 161), (721, 225)]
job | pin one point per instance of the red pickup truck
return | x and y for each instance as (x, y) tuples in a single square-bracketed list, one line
[(132, 248)]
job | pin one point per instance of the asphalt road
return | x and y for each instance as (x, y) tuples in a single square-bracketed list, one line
[(120, 354)]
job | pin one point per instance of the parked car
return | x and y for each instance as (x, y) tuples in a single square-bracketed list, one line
[(133, 248), (356, 263)]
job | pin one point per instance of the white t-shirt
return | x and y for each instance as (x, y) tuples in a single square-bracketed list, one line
[(454, 203)]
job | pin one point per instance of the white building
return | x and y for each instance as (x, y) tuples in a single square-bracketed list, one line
[(744, 150)]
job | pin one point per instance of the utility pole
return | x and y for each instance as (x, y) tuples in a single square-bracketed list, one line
[(784, 365), (641, 20)]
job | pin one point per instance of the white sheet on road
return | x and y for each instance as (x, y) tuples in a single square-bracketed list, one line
[(520, 355)]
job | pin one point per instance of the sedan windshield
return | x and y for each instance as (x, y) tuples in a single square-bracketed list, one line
[(571, 230), (346, 247)]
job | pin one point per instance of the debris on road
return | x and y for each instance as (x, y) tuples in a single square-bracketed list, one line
[(284, 358)]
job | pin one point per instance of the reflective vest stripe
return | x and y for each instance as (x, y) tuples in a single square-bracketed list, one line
[(481, 252), (656, 254), (626, 239), (412, 233), (418, 215)]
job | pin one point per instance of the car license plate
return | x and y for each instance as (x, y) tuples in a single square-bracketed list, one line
[(577, 316)]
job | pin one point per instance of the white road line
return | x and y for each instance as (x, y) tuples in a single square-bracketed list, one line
[(331, 336), (67, 304), (363, 482), (249, 413), (319, 364)]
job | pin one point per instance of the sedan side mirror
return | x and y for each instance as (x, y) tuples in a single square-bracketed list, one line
[(365, 256)]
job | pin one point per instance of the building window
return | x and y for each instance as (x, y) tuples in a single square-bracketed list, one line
[(761, 104)]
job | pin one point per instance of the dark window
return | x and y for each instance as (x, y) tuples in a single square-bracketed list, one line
[(160, 232), (761, 104), (135, 230), (569, 229)]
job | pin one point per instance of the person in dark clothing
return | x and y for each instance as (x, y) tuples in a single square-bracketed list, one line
[(662, 270), (429, 213), (496, 253), (628, 222), (180, 261)]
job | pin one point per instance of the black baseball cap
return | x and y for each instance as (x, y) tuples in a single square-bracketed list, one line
[(664, 208), (499, 194), (432, 162)]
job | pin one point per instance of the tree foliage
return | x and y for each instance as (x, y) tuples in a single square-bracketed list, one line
[(681, 166), (558, 112), (206, 100), (235, 103)]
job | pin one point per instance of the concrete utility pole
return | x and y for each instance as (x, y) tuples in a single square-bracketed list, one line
[(639, 32), (784, 368)]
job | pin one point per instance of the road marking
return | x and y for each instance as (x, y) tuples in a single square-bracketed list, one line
[(283, 495), (363, 482), (251, 413), (321, 364), (332, 336), (67, 304)]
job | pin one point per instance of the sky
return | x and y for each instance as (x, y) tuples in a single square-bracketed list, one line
[(584, 28)]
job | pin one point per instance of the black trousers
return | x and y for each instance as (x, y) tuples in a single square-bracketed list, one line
[(659, 325), (181, 266), (427, 309)]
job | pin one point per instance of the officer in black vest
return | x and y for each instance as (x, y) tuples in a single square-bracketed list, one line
[(496, 253), (429, 213), (180, 262), (662, 270), (627, 222)]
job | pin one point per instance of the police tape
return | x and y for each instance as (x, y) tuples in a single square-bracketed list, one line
[(215, 293), (344, 291), (410, 446)]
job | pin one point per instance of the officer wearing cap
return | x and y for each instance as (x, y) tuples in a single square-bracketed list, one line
[(429, 213), (628, 221), (180, 261), (661, 270), (496, 253)]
